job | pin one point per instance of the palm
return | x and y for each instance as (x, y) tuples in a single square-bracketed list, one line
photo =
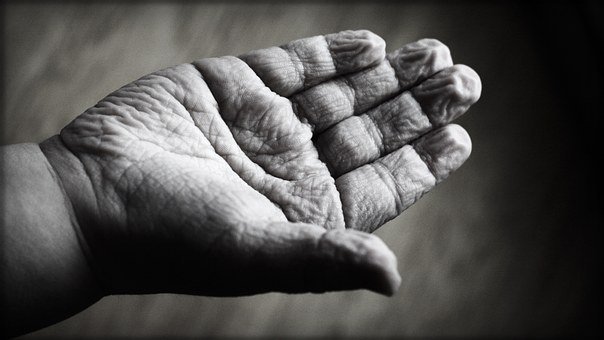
[(217, 158)]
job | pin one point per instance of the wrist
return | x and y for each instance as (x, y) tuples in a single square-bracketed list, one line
[(46, 275)]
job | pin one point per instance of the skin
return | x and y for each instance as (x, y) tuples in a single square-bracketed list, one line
[(235, 175)]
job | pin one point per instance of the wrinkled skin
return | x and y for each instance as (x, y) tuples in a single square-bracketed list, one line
[(264, 172)]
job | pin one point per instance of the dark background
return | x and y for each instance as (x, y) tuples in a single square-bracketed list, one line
[(508, 246)]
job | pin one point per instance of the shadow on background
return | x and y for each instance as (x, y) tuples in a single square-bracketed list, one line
[(508, 246)]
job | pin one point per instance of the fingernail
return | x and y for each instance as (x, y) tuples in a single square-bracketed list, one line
[(444, 150), (448, 94)]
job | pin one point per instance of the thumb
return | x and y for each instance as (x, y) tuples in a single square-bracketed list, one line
[(300, 257)]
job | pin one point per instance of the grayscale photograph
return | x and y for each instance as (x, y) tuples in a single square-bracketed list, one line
[(301, 169)]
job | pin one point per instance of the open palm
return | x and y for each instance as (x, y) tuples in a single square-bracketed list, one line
[(241, 175)]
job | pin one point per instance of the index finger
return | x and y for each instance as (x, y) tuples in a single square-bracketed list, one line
[(303, 63)]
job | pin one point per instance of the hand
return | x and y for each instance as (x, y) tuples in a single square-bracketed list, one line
[(233, 176)]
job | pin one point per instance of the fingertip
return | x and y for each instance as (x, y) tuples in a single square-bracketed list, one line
[(388, 278), (449, 93), (375, 46), (376, 263), (417, 61), (460, 137), (354, 50), (392, 284), (471, 85), (444, 150)]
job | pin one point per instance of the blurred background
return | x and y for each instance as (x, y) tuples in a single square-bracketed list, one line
[(508, 246)]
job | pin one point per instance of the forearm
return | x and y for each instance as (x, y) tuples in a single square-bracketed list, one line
[(45, 275)]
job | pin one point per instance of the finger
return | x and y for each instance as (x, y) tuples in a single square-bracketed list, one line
[(330, 102), (437, 101), (299, 257), (302, 63), (378, 192)]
